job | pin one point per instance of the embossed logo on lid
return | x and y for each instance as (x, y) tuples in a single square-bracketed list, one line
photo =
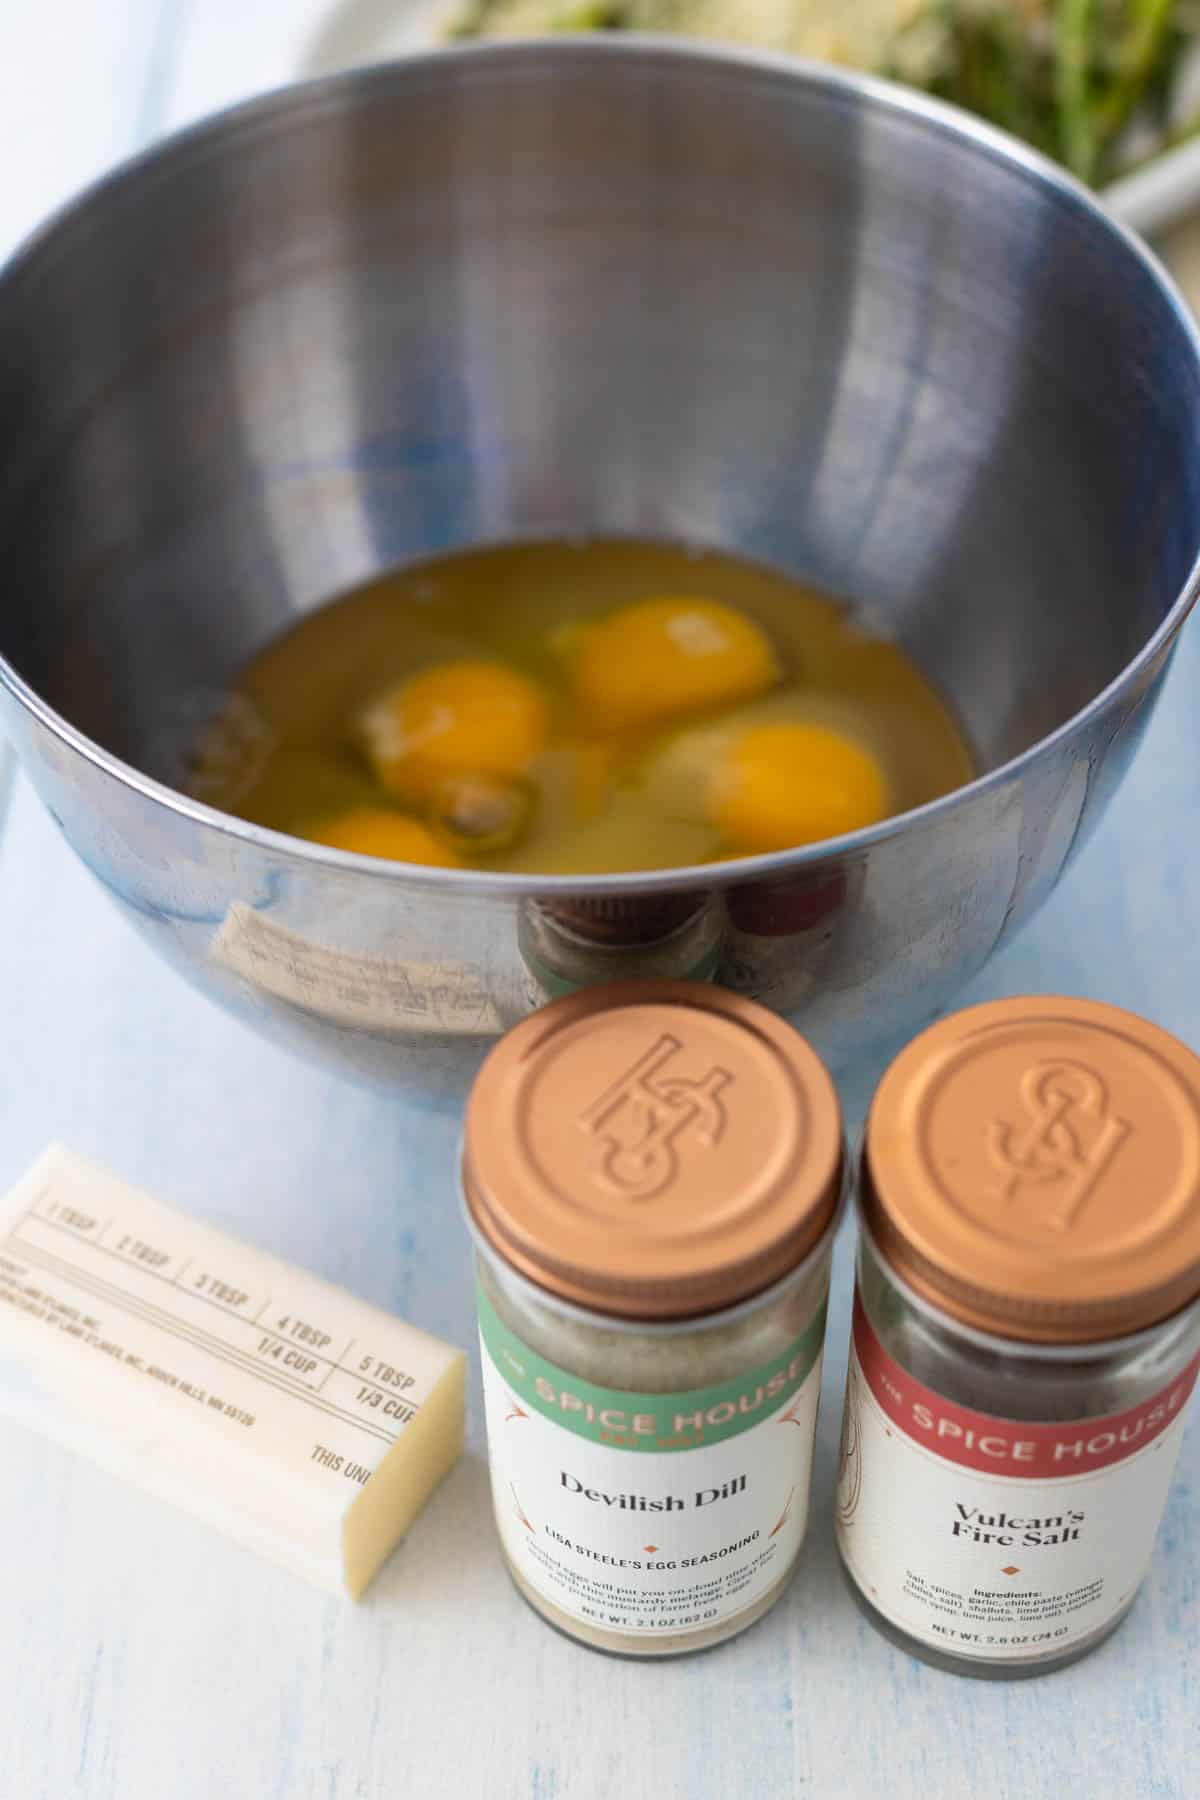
[(653, 1149), (639, 1116), (1071, 1136), (1033, 1166)]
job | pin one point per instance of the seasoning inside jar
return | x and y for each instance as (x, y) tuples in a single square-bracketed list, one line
[(652, 1173), (1026, 1330)]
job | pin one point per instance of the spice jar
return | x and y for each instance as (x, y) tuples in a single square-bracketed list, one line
[(578, 942), (652, 1174), (1026, 1330)]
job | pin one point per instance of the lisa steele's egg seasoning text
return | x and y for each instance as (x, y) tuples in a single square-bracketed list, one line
[(652, 1173), (1026, 1330)]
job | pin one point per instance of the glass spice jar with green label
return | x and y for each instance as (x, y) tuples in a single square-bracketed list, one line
[(576, 943), (652, 1174)]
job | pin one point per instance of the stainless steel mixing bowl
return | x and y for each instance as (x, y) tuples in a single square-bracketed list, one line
[(598, 287)]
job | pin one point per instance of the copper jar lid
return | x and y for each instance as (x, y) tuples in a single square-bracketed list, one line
[(653, 1149), (1032, 1167)]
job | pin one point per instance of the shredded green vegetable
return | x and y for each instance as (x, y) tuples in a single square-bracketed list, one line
[(1089, 82)]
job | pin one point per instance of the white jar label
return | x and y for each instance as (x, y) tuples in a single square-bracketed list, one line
[(649, 1515), (988, 1537)]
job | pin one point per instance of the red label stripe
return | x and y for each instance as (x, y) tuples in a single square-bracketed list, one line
[(997, 1446)]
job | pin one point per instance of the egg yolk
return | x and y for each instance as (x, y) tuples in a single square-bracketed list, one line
[(476, 718), (662, 658), (796, 783), (378, 831), (592, 767)]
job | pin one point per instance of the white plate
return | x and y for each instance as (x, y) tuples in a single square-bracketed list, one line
[(355, 32), (1161, 194)]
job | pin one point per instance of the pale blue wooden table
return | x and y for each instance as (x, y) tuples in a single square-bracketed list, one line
[(144, 1658)]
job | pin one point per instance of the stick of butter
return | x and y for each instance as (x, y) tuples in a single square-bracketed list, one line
[(305, 1424)]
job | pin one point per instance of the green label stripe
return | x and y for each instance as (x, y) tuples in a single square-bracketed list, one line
[(629, 1421)]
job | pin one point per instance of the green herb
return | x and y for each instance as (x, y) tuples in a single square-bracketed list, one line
[(1068, 76)]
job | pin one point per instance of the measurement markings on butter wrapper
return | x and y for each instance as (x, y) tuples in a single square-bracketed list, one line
[(375, 1376), (306, 1340), (372, 1389), (240, 1360)]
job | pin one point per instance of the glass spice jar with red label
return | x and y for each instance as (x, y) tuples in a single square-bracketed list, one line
[(1026, 1330), (653, 1174)]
